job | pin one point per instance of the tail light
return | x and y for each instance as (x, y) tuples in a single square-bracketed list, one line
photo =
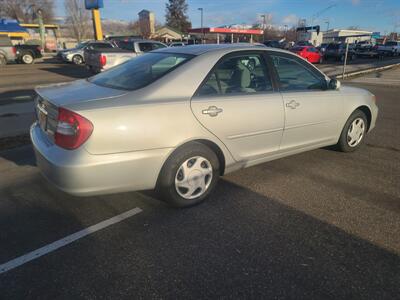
[(72, 129), (14, 50), (103, 60)]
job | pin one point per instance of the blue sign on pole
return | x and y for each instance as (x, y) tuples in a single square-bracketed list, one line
[(94, 4), (376, 35)]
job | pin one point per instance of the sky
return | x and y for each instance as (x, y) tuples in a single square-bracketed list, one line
[(372, 15)]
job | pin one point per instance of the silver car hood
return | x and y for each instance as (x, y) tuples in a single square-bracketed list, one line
[(68, 93)]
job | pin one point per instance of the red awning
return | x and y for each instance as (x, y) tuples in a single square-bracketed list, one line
[(226, 30)]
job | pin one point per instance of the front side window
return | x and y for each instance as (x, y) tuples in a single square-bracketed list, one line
[(243, 74), (141, 71), (293, 75)]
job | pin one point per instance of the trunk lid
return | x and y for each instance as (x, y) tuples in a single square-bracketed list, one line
[(50, 97), (64, 94)]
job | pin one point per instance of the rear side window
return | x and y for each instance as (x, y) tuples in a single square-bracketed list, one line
[(125, 45), (141, 71), (101, 45), (243, 74), (146, 47), (294, 76)]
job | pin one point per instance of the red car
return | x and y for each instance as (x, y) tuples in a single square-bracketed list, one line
[(309, 53)]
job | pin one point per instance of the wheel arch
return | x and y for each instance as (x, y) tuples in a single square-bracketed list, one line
[(217, 150), (210, 144), (367, 111)]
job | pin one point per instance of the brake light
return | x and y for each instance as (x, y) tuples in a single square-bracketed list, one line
[(14, 50), (103, 60), (72, 129)]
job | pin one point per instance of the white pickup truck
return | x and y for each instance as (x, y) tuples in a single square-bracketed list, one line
[(102, 59), (389, 48)]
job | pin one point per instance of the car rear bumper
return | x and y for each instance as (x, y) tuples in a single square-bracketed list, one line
[(80, 173)]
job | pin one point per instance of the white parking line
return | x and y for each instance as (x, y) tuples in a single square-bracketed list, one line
[(67, 240)]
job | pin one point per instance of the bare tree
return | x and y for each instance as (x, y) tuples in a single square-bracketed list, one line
[(23, 10), (78, 19)]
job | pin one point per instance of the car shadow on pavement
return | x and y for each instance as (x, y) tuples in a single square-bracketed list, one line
[(16, 96), (71, 71), (21, 156), (238, 244)]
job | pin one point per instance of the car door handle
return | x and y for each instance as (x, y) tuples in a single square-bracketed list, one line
[(212, 111), (292, 104)]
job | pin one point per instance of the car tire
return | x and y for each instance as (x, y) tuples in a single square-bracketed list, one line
[(27, 58), (354, 132), (77, 60), (188, 176)]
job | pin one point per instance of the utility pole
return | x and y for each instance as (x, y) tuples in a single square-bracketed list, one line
[(345, 59), (263, 26), (327, 25), (201, 22), (286, 28), (41, 28), (37, 14)]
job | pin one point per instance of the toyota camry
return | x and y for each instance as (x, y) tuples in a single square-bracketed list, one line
[(176, 119)]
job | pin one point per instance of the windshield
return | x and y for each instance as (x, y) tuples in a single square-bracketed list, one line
[(141, 71)]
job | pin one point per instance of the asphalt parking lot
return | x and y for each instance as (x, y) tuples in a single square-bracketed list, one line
[(319, 225)]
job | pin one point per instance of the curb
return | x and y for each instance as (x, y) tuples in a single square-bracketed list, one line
[(366, 71)]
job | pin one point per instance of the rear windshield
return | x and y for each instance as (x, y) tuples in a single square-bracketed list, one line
[(141, 71), (298, 49)]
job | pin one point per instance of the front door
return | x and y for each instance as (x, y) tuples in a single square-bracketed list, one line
[(311, 110), (237, 104)]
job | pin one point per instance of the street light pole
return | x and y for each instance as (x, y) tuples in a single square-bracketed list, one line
[(263, 16), (202, 29), (327, 25)]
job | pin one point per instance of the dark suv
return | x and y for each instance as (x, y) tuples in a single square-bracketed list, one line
[(338, 52)]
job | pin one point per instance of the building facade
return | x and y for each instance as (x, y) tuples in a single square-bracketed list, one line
[(146, 23), (346, 35)]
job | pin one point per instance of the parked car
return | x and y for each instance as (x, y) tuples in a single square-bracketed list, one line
[(310, 53), (98, 60), (7, 50), (391, 48), (176, 44), (272, 44), (322, 48), (303, 43), (338, 51), (364, 46), (27, 54), (176, 119), (76, 55)]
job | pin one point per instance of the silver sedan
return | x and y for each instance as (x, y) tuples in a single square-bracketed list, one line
[(177, 119)]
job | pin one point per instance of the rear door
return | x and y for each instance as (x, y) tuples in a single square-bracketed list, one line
[(312, 112), (238, 104)]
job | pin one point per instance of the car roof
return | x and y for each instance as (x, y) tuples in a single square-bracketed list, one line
[(201, 49)]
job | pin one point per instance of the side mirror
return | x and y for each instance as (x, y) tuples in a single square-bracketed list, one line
[(334, 84)]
